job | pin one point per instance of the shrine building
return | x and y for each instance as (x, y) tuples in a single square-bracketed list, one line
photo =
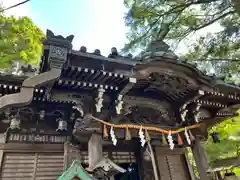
[(84, 116)]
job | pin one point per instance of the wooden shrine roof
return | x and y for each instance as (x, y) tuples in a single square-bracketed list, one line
[(158, 86)]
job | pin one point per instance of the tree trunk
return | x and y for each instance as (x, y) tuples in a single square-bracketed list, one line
[(237, 5)]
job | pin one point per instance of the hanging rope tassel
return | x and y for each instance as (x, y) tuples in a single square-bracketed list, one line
[(191, 136), (127, 134), (170, 140), (187, 136), (154, 164), (164, 141), (105, 132), (180, 141), (148, 138)]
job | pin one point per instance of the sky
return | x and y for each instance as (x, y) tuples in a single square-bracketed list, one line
[(96, 24)]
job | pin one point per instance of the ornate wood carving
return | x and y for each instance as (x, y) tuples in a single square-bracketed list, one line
[(86, 124), (168, 84), (176, 68), (148, 111), (36, 138)]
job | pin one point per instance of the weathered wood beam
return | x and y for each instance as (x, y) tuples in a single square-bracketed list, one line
[(95, 150), (190, 167), (25, 96), (97, 160), (131, 83), (200, 158), (2, 140), (22, 147), (65, 156)]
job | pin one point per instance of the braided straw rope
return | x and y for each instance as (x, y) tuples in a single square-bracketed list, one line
[(148, 128)]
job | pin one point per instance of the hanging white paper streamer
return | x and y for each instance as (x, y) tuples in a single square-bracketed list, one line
[(142, 137), (113, 137), (187, 136), (170, 140)]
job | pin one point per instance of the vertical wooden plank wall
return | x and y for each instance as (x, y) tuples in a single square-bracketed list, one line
[(17, 166), (23, 161), (35, 166), (2, 140), (172, 164), (49, 166)]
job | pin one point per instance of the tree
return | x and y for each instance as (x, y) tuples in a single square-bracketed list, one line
[(237, 5), (20, 40), (175, 21), (228, 147)]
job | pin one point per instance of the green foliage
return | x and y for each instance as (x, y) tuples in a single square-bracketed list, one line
[(221, 48), (20, 40), (178, 20), (237, 171), (227, 147)]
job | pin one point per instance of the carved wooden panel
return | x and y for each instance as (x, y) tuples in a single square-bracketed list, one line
[(148, 111), (178, 167), (173, 167), (168, 83), (15, 137)]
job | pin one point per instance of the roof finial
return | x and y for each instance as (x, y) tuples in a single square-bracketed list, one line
[(157, 46)]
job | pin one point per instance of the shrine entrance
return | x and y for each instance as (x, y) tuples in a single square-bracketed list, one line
[(132, 172)]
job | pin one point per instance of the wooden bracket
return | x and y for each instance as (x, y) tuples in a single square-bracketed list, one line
[(25, 96)]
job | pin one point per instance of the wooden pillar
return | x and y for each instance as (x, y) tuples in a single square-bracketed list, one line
[(71, 153), (139, 161), (95, 150), (200, 158), (66, 159), (2, 140), (190, 167)]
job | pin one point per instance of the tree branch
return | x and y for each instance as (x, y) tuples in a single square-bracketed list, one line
[(214, 20), (237, 5)]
